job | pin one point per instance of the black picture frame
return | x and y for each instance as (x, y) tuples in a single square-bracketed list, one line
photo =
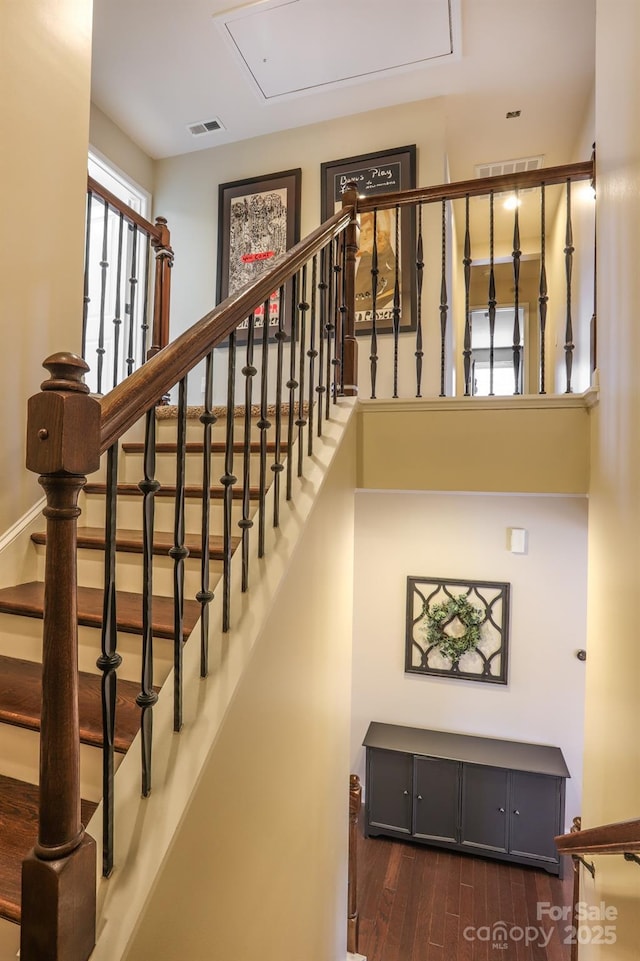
[(488, 658), (383, 171), (258, 219)]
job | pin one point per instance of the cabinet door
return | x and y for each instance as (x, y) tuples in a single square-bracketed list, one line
[(484, 807), (535, 815), (389, 790), (436, 802)]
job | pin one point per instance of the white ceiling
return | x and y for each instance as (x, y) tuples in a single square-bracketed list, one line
[(160, 65)]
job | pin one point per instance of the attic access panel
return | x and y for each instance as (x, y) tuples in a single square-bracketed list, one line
[(290, 47)]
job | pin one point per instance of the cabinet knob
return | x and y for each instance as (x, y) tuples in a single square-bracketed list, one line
[(501, 810), (419, 797), (516, 812), (406, 793)]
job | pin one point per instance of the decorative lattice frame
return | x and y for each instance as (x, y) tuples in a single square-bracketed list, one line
[(489, 660)]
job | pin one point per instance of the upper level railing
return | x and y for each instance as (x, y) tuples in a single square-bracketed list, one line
[(126, 304), (288, 374)]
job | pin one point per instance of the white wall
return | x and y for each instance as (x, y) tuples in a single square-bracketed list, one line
[(465, 536), (114, 144)]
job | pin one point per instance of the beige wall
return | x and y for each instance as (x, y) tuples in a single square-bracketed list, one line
[(258, 869), (612, 761), (487, 445), (45, 51), (117, 147)]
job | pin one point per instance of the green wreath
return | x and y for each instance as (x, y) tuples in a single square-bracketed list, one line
[(439, 615)]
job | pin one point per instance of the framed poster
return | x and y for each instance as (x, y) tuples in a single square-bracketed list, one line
[(376, 173), (258, 219)]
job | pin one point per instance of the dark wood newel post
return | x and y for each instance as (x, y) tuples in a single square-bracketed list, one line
[(355, 801), (162, 289), (350, 355), (59, 874)]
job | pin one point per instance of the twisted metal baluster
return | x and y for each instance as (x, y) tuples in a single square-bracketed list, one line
[(312, 353), (179, 552), (86, 298), (492, 295), (117, 319), (373, 357), (144, 327), (263, 426), (104, 270), (396, 306), (301, 420), (444, 306), (340, 308), (419, 352), (466, 260), (292, 383), (568, 263), (133, 283), (228, 480), (147, 696), (245, 523), (330, 326), (277, 467), (517, 349), (205, 595), (543, 297), (109, 662), (323, 291)]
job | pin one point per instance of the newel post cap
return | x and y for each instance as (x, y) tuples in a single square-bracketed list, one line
[(63, 422)]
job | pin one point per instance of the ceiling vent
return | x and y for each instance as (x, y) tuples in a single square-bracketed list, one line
[(204, 126), (500, 167)]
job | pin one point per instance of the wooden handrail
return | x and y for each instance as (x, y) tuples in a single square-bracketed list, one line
[(154, 230), (127, 402), (479, 187), (622, 837)]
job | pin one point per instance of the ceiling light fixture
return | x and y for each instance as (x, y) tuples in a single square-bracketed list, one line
[(512, 202)]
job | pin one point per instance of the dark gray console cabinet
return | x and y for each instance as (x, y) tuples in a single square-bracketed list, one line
[(501, 799)]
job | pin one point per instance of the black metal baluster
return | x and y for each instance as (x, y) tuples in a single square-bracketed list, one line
[(373, 356), (117, 319), (419, 352), (396, 306), (133, 283), (340, 308), (330, 326), (87, 252), (517, 349), (277, 467), (492, 295), (543, 296), (104, 271), (228, 480), (178, 553), (109, 662), (205, 595), (245, 523), (301, 420), (568, 264), (312, 353), (147, 696), (263, 426), (323, 290), (144, 327), (444, 305), (292, 383), (466, 260)]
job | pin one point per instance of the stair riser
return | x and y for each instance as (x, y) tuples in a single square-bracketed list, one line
[(9, 940), (20, 758), (22, 637), (129, 572), (166, 430), (129, 513), (131, 470)]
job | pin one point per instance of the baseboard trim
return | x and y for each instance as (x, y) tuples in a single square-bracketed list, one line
[(16, 529)]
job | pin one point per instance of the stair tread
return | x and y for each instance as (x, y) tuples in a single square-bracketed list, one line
[(130, 541), (197, 447), (28, 600), (21, 692), (18, 834), (190, 491)]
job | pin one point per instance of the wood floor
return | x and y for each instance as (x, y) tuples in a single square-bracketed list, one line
[(423, 904)]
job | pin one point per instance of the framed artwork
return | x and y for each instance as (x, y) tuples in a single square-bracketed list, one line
[(258, 219), (377, 173), (457, 629)]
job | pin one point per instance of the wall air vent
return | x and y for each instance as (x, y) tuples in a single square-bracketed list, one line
[(204, 126), (499, 167)]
